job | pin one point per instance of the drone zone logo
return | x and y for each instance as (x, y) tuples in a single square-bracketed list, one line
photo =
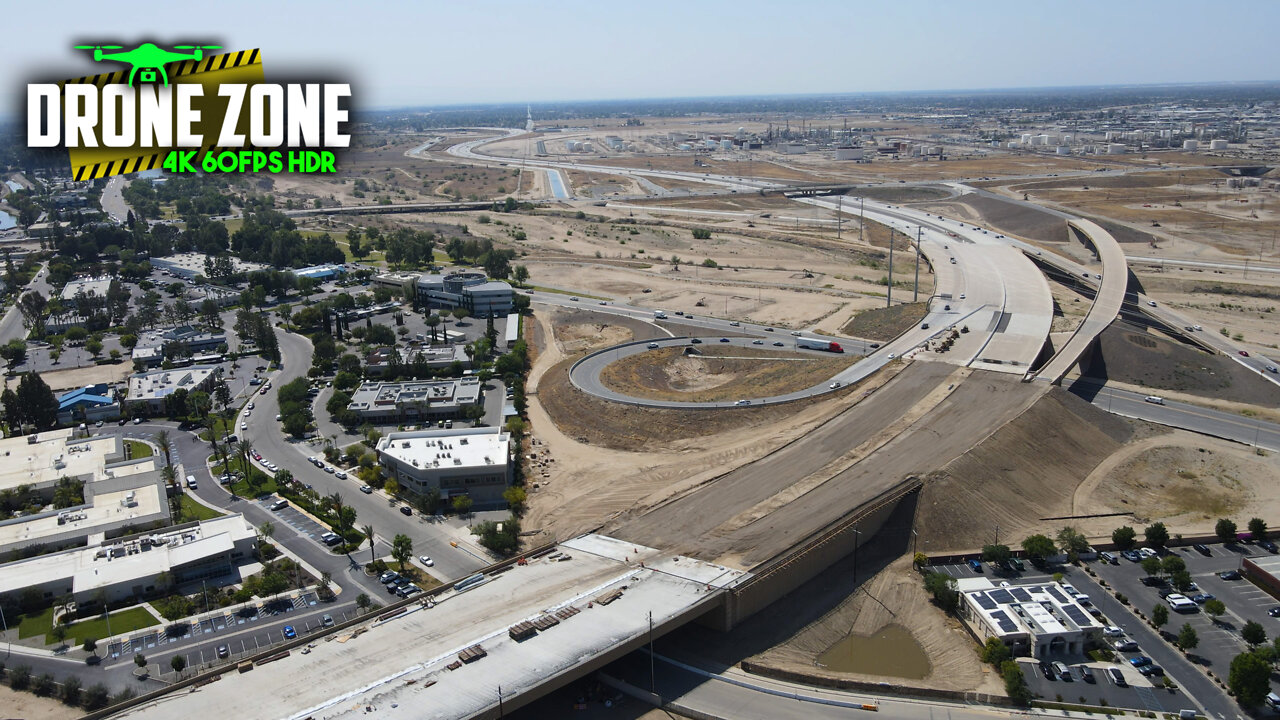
[(184, 111)]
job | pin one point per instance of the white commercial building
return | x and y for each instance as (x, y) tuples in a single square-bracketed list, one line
[(410, 402), (130, 567), (399, 282), (1040, 620), (472, 462), (190, 264), (481, 296), (89, 286), (150, 389)]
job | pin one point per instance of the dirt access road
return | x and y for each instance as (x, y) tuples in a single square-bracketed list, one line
[(928, 415)]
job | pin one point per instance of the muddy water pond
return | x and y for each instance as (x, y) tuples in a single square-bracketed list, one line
[(891, 651)]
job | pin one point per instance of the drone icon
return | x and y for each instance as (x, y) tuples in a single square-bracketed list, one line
[(148, 58)]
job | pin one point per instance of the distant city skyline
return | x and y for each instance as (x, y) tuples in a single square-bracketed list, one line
[(509, 52)]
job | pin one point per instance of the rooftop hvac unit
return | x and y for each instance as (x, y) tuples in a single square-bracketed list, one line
[(457, 461), (405, 445), (414, 462)]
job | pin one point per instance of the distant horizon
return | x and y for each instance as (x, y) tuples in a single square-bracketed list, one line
[(836, 94)]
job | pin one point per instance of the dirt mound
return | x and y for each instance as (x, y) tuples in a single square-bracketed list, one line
[(584, 337), (1131, 355), (902, 194), (718, 373), (1014, 219), (1026, 470), (884, 324)]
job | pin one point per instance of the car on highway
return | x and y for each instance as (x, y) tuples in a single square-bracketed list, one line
[(777, 343), (892, 355), (724, 339), (1244, 353), (735, 323), (796, 333), (340, 474), (768, 329), (574, 299), (695, 341), (757, 342), (1152, 303), (1270, 369), (743, 402), (367, 490), (426, 560), (652, 346), (289, 632), (602, 303), (835, 385)]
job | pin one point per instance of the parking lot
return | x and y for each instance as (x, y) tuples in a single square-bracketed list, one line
[(1219, 641), (294, 518), (1137, 692)]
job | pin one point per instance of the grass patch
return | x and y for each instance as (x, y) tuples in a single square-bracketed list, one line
[(222, 426), (192, 510), (138, 449), (121, 621), (32, 625)]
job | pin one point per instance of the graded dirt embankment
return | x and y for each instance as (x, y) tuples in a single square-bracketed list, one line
[(1026, 470), (1006, 217), (1136, 357), (718, 373), (886, 323)]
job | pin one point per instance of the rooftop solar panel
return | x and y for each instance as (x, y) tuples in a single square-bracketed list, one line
[(1003, 621), (1021, 594), (1001, 596), (1077, 615), (1053, 593), (984, 602)]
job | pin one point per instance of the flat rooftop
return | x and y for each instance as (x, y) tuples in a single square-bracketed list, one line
[(54, 456), (161, 383), (121, 561), (89, 286), (400, 667), (389, 395), (447, 448), (140, 504)]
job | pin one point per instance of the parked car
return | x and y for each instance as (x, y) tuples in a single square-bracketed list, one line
[(224, 651), (1112, 631), (975, 565), (1140, 661), (1202, 598), (1125, 646), (1086, 674), (1131, 556), (1229, 574), (1274, 612), (388, 576), (289, 632), (1202, 549), (406, 510), (326, 620), (1268, 546)]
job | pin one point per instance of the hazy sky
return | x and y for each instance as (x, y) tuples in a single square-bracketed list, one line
[(435, 53)]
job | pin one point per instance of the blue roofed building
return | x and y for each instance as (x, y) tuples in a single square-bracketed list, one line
[(320, 273), (88, 404)]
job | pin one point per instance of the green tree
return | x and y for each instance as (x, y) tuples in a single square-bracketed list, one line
[(1160, 615), (1171, 564), (1187, 637), (1151, 565), (1253, 633), (178, 663), (943, 589), (71, 693), (1249, 679), (90, 645), (363, 601), (1015, 683), (1156, 534), (1258, 528), (1039, 547), (520, 274), (94, 346), (1225, 530), (95, 697), (515, 497), (462, 504), (1124, 537), (39, 406), (995, 652), (402, 549), (1215, 609), (1073, 541)]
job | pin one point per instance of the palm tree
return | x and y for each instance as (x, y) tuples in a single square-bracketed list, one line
[(165, 445), (245, 449), (368, 533), (175, 500)]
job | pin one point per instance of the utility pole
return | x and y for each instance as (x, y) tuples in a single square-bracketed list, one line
[(889, 294), (915, 295), (839, 216), (653, 683), (862, 219), (500, 712)]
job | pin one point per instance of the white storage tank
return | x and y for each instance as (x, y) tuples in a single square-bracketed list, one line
[(849, 153), (1063, 150), (726, 144), (1115, 149), (1218, 145), (1190, 145)]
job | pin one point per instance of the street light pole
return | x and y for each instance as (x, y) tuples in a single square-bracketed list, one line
[(915, 295), (889, 294), (653, 682)]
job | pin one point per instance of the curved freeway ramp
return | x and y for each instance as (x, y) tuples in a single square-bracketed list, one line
[(1106, 304)]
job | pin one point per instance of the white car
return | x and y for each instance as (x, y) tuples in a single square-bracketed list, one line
[(250, 406), (426, 560), (340, 475), (1112, 631), (244, 426)]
